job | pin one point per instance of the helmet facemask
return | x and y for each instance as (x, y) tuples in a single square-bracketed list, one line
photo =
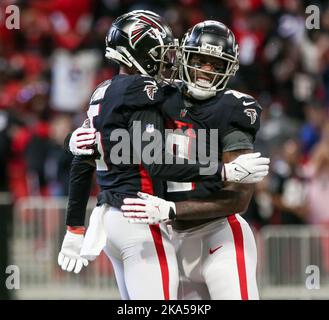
[(165, 57), (217, 79)]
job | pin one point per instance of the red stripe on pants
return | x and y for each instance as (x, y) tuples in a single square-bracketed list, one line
[(156, 234), (147, 187), (239, 250)]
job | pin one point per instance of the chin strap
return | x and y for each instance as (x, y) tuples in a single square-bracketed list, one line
[(200, 94)]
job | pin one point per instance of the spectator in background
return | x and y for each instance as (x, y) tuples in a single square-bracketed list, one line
[(260, 210), (288, 186), (276, 128), (54, 60), (73, 76), (47, 163), (5, 142), (318, 191), (323, 51), (58, 163), (8, 123), (315, 116), (70, 20), (318, 187)]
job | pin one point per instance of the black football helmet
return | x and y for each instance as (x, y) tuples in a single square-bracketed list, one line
[(214, 39), (141, 38)]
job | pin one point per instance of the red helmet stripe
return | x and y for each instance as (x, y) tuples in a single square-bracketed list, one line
[(152, 23), (137, 30), (135, 38), (144, 25)]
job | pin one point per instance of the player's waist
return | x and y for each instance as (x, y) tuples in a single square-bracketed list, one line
[(114, 198), (197, 228), (198, 191)]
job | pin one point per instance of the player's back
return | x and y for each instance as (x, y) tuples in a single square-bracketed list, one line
[(111, 107)]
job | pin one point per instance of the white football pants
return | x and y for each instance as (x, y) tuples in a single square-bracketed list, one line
[(217, 261), (143, 258)]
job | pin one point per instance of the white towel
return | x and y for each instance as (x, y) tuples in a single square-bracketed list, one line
[(95, 237)]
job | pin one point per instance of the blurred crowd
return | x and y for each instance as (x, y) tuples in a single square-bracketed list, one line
[(50, 66)]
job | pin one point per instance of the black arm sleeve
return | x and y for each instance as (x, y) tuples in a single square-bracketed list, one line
[(81, 175), (155, 156), (67, 143)]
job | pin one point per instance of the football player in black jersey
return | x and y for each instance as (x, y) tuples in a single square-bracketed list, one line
[(115, 104), (216, 249)]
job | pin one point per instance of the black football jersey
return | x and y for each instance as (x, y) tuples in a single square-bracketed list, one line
[(228, 111), (117, 103), (117, 108)]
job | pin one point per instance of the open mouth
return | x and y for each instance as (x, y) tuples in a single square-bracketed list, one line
[(203, 82)]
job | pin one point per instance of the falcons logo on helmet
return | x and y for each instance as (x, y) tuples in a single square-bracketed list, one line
[(252, 114), (151, 88), (144, 25)]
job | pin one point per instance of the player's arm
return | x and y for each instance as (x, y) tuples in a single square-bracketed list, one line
[(80, 143), (232, 198), (80, 184), (81, 174)]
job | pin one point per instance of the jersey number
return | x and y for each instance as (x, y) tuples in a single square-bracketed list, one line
[(183, 145)]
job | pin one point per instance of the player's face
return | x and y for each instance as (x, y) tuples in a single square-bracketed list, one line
[(207, 70)]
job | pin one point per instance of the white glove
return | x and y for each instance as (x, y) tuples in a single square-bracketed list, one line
[(148, 209), (81, 139), (69, 257), (247, 168)]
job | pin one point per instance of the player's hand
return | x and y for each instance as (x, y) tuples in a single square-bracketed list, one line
[(69, 257), (81, 141), (148, 209), (247, 168)]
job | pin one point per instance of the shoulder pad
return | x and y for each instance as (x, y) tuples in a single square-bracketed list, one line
[(237, 94), (100, 91), (245, 113), (142, 92)]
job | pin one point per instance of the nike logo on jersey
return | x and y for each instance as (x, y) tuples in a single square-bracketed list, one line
[(245, 103), (211, 251)]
